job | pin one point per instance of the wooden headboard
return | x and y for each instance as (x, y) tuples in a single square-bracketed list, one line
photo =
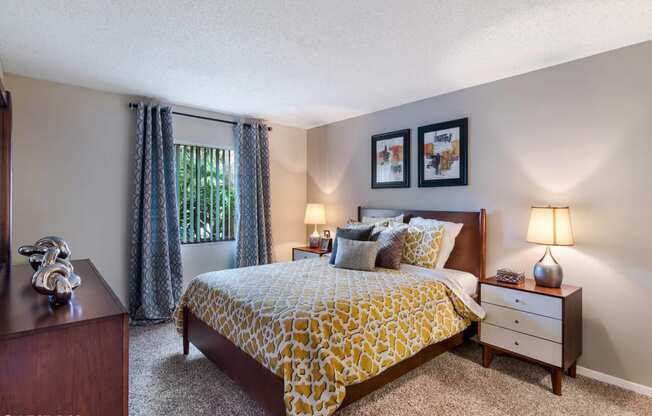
[(470, 252)]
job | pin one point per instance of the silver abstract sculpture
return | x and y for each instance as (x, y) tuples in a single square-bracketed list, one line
[(54, 275)]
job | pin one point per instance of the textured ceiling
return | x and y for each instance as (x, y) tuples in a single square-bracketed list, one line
[(305, 63)]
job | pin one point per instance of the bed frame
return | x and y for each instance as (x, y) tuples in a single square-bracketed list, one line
[(267, 388)]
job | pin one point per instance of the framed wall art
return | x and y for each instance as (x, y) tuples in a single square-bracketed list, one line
[(390, 160), (442, 156)]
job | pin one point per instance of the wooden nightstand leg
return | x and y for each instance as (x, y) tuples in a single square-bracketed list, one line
[(572, 370), (555, 375), (487, 356)]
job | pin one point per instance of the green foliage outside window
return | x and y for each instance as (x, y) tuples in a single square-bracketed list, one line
[(206, 193)]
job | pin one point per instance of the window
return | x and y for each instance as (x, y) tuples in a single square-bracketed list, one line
[(206, 193)]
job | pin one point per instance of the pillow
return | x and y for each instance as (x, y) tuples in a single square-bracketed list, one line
[(413, 238), (356, 255), (422, 245), (356, 224), (390, 245), (451, 231), (359, 233), (383, 221)]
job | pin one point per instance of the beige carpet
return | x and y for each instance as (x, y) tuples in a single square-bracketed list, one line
[(164, 382)]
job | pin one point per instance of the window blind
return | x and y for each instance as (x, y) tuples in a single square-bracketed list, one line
[(205, 192)]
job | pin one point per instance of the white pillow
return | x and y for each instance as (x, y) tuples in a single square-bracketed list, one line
[(451, 230), (384, 221)]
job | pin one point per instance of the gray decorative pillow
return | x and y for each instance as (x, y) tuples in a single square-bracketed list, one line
[(390, 245), (356, 255), (360, 233)]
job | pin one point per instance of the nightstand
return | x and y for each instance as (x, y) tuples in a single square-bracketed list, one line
[(539, 324), (300, 253)]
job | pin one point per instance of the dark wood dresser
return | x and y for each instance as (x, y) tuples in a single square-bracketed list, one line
[(65, 360)]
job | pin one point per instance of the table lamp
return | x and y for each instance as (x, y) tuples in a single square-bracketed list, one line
[(315, 214), (550, 226)]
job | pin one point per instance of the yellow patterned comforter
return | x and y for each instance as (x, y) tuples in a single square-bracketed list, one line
[(323, 328)]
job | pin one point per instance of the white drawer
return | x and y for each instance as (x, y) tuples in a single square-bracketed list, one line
[(300, 255), (526, 345), (537, 325), (524, 301)]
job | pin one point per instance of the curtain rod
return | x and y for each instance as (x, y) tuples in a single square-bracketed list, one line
[(233, 123)]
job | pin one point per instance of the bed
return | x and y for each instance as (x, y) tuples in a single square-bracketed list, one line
[(306, 338)]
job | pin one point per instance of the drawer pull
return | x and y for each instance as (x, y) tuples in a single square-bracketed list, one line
[(515, 342), (515, 321), (516, 301)]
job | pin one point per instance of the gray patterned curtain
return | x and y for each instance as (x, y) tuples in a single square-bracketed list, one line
[(155, 280), (253, 230)]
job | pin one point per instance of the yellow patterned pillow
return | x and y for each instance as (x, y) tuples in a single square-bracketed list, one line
[(413, 239), (422, 245)]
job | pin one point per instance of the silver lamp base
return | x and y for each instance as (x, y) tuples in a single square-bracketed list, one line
[(314, 238), (547, 272)]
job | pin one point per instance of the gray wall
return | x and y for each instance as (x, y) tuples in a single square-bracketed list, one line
[(72, 176), (578, 133)]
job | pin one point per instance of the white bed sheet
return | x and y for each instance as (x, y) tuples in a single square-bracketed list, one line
[(456, 280), (466, 281)]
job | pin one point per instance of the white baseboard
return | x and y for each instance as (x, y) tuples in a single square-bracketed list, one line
[(606, 378)]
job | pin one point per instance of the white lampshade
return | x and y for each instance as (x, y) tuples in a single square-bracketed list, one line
[(315, 214), (550, 226)]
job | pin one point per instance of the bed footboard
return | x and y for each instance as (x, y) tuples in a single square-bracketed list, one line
[(266, 387), (257, 381)]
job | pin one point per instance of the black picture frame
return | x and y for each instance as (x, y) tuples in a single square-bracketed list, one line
[(326, 244), (462, 180), (405, 183)]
